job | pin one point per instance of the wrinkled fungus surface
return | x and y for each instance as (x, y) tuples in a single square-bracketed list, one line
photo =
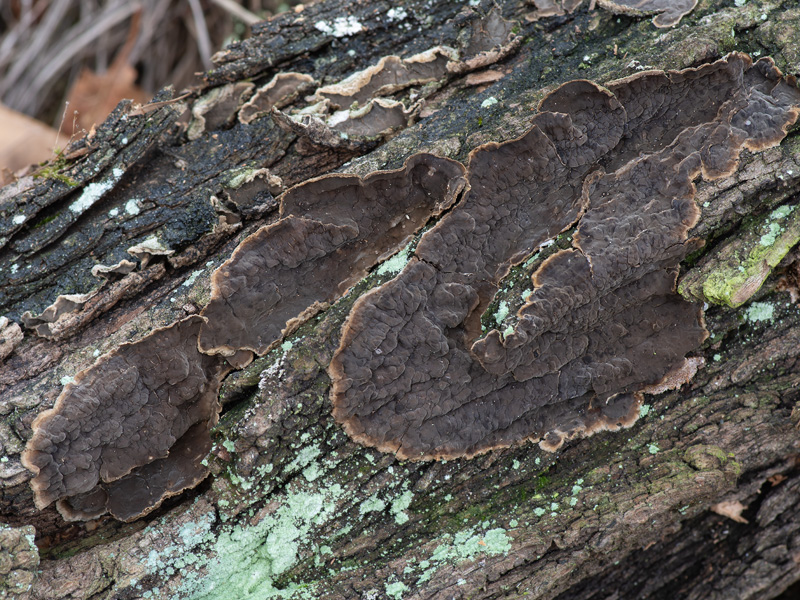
[(414, 375), (140, 414), (332, 230)]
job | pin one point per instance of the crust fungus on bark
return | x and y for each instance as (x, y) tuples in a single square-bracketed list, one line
[(127, 418), (603, 322), (332, 230), (414, 374)]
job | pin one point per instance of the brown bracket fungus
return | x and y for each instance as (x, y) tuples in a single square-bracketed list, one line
[(667, 12), (354, 129), (603, 322), (332, 230), (281, 90), (389, 75), (138, 418)]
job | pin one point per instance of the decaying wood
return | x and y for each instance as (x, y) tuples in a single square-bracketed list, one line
[(293, 507)]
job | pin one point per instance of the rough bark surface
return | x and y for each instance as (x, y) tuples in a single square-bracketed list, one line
[(295, 509)]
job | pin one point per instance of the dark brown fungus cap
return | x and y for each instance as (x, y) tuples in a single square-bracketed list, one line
[(126, 419), (332, 230), (603, 322)]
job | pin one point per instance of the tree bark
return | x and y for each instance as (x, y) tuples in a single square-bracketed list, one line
[(294, 508)]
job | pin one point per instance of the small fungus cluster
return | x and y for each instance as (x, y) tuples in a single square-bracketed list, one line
[(414, 374)]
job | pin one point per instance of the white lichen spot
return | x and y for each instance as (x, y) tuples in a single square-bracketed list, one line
[(739, 2), (539, 511), (91, 194), (286, 346), (759, 311), (644, 410), (132, 207), (4, 459), (66, 379), (653, 448), (191, 279), (397, 14), (124, 140), (14, 268), (763, 16), (113, 212), (96, 353), (515, 464), (341, 26), (490, 101), (18, 219), (717, 357), (229, 445)]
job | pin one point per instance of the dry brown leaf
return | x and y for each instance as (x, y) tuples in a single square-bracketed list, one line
[(93, 96), (23, 140), (731, 509)]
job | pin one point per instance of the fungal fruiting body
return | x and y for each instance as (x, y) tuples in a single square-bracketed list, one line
[(413, 375)]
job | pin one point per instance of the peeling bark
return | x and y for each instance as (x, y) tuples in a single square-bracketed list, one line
[(293, 507)]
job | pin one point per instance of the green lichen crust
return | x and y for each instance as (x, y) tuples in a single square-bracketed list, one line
[(733, 273)]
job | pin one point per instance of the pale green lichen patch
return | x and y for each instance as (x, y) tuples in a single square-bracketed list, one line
[(501, 313), (732, 274), (246, 560), (644, 410), (759, 311), (399, 506), (304, 458), (395, 590), (653, 448), (467, 544), (395, 264), (372, 504)]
